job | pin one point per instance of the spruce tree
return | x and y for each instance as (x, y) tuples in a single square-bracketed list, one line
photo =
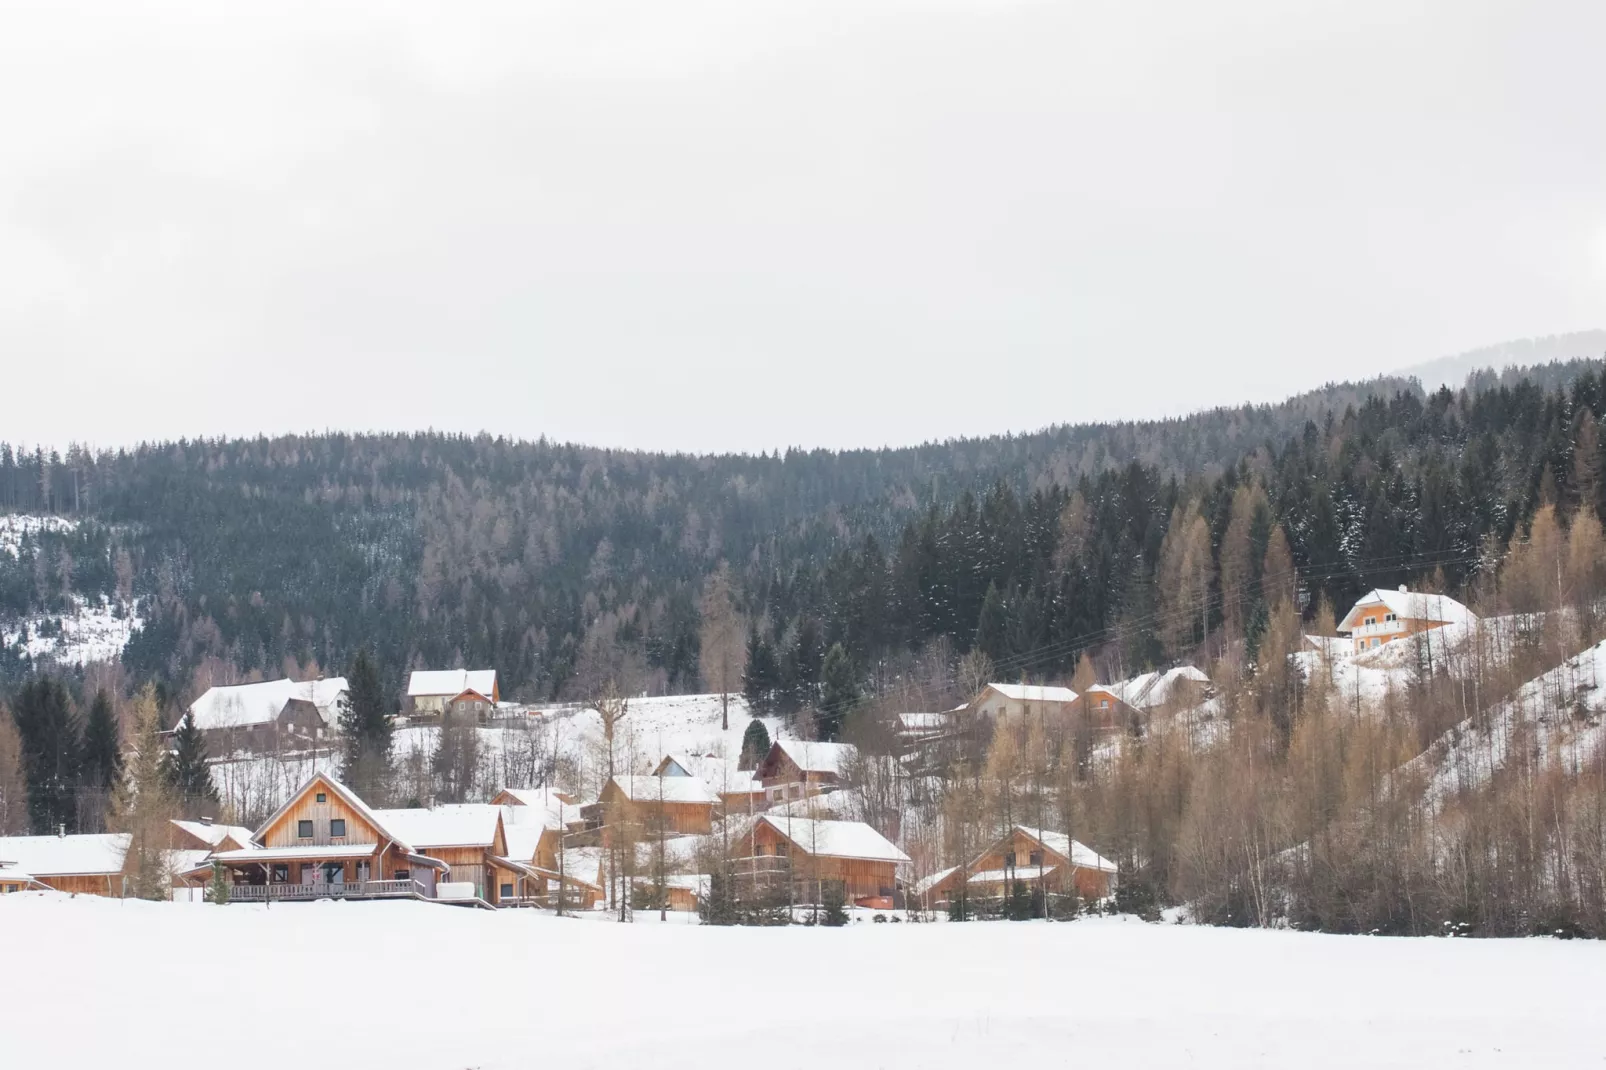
[(365, 725), (187, 771), (755, 744), (103, 756), (52, 753), (839, 690), (992, 625), (144, 804)]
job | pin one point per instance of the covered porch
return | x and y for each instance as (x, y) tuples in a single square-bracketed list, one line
[(337, 871)]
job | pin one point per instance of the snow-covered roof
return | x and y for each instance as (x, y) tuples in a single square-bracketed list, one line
[(676, 765), (1151, 689), (213, 835), (244, 705), (1034, 693), (673, 789), (1081, 855), (836, 839), (347, 796), (86, 854), (812, 757), (451, 682), (311, 851), (1021, 873), (926, 884), (922, 722), (461, 825), (187, 860), (1410, 605)]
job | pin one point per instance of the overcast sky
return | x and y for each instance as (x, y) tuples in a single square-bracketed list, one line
[(678, 224)]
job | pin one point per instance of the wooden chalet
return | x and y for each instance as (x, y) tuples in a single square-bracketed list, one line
[(534, 822), (324, 843), (682, 891), (84, 864), (677, 805), (206, 835), (813, 852), (469, 838), (738, 791), (796, 768), (1034, 856)]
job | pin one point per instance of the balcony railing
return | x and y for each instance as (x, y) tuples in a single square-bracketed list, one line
[(1382, 627), (264, 893)]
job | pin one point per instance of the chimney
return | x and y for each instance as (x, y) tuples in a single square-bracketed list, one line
[(61, 831), (1402, 589), (207, 821)]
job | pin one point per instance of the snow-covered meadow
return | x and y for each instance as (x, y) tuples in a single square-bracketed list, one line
[(415, 986)]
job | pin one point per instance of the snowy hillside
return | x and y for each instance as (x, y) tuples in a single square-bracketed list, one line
[(1559, 717), (94, 632), (525, 988), (567, 741), (16, 528)]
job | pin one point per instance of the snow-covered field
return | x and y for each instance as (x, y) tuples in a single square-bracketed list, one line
[(414, 986), (16, 527)]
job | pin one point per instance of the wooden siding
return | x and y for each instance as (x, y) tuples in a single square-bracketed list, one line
[(283, 832), (1089, 883), (109, 884), (860, 877), (675, 817)]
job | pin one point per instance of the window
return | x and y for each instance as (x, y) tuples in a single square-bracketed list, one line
[(1009, 859), (280, 875), (322, 797), (504, 891), (758, 849), (1390, 616), (1104, 703), (304, 830), (337, 827), (782, 849), (1035, 858), (1377, 642), (1371, 620), (402, 874)]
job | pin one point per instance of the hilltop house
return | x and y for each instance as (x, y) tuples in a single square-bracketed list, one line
[(1381, 616), (267, 716), (434, 693), (812, 853), (1032, 855), (794, 768), (1004, 702)]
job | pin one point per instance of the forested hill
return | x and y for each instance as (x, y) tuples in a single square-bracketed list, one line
[(287, 554)]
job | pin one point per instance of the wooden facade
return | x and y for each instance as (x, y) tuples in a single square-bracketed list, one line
[(861, 878), (782, 778), (653, 816)]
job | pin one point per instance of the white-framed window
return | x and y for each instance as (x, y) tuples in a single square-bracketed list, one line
[(1377, 642)]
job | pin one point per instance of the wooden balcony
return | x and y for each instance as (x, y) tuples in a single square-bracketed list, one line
[(275, 893)]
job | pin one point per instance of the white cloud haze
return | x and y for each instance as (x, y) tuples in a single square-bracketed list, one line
[(744, 225)]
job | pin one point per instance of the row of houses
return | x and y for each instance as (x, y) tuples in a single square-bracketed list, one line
[(525, 847), (296, 714)]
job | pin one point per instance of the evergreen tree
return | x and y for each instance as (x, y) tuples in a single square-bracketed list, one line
[(144, 804), (992, 625), (755, 744), (763, 676), (187, 771), (365, 727), (839, 691), (52, 753), (103, 755), (219, 892), (835, 904)]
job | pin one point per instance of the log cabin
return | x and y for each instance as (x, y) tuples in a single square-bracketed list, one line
[(83, 864), (796, 768), (1382, 616), (1027, 854), (814, 852), (672, 805), (469, 838), (325, 842)]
